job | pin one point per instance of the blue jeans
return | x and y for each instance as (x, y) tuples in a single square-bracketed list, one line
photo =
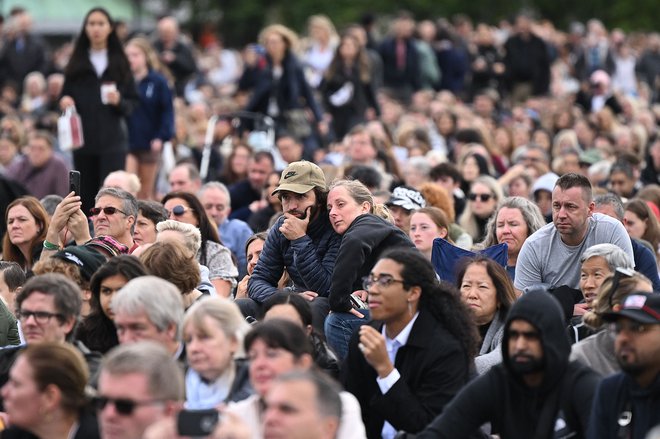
[(339, 327)]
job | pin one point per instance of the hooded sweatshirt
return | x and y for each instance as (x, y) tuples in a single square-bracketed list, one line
[(559, 407)]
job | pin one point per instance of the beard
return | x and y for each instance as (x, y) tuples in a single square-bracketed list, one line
[(632, 369), (530, 365)]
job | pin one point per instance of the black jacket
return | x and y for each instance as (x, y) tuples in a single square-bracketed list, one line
[(619, 393), (104, 126), (361, 246), (527, 60), (308, 260), (433, 369), (515, 410), (289, 91), (88, 428)]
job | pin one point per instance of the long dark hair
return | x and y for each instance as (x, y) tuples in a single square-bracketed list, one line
[(505, 293), (441, 299), (206, 228), (118, 67), (97, 331), (360, 64)]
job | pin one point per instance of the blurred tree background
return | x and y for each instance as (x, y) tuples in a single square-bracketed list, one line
[(239, 21)]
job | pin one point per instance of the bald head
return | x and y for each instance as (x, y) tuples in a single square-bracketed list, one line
[(168, 29)]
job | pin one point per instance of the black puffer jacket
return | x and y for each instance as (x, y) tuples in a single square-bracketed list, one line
[(308, 260)]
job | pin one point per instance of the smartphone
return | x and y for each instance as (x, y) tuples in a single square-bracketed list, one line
[(74, 182), (197, 423)]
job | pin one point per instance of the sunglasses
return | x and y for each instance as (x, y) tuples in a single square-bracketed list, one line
[(108, 210), (178, 210), (481, 197), (123, 406)]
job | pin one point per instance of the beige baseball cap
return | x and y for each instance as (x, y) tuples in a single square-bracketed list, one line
[(300, 177)]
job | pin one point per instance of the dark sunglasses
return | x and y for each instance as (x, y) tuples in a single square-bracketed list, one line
[(178, 210), (123, 406), (108, 210), (481, 197)]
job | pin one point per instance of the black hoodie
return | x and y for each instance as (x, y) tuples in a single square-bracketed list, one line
[(558, 408)]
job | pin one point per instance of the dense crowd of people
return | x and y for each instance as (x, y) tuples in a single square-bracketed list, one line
[(433, 228)]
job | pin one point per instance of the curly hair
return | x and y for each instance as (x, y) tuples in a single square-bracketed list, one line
[(441, 299)]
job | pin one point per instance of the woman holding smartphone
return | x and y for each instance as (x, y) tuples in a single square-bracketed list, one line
[(99, 84)]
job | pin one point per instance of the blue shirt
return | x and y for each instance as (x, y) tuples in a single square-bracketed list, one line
[(234, 234)]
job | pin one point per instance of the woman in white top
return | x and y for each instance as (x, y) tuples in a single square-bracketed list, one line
[(276, 347)]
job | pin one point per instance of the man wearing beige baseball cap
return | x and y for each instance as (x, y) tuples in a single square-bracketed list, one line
[(302, 242)]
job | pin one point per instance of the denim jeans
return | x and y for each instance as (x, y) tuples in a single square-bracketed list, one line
[(339, 328)]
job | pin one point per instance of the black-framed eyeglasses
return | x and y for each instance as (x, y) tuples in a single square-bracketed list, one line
[(108, 210), (178, 210), (41, 317), (384, 280), (481, 197), (123, 406)]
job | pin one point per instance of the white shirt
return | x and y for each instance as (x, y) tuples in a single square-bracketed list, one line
[(99, 59), (385, 384)]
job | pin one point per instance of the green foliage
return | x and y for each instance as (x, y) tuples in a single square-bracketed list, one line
[(241, 20)]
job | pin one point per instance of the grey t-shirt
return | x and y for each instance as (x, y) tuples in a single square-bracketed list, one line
[(545, 259)]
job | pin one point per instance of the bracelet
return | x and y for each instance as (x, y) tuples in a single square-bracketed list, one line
[(50, 246)]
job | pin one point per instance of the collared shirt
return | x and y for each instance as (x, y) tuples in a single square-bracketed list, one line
[(385, 384)]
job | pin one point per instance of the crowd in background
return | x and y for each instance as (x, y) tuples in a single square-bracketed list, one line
[(326, 179)]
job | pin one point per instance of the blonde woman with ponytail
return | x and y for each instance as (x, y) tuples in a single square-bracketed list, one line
[(365, 235)]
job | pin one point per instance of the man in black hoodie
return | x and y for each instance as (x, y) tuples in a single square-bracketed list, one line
[(535, 393)]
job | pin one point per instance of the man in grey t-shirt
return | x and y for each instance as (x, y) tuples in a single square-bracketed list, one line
[(551, 256)]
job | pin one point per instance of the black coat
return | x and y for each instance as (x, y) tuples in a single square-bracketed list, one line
[(618, 393), (361, 246), (291, 91), (88, 428), (433, 369), (104, 126)]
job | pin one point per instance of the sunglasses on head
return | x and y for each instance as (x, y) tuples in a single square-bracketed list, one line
[(123, 406), (108, 210), (178, 210), (481, 197)]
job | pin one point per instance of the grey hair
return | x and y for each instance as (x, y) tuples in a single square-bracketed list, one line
[(192, 237), (613, 200), (129, 203), (215, 185), (530, 213), (226, 315), (164, 375), (420, 164), (613, 255), (132, 180), (159, 299), (328, 400)]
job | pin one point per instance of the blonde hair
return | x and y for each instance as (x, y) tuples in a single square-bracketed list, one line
[(192, 237), (606, 297), (290, 38), (153, 61)]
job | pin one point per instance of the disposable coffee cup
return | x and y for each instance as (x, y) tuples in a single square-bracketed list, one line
[(106, 89)]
